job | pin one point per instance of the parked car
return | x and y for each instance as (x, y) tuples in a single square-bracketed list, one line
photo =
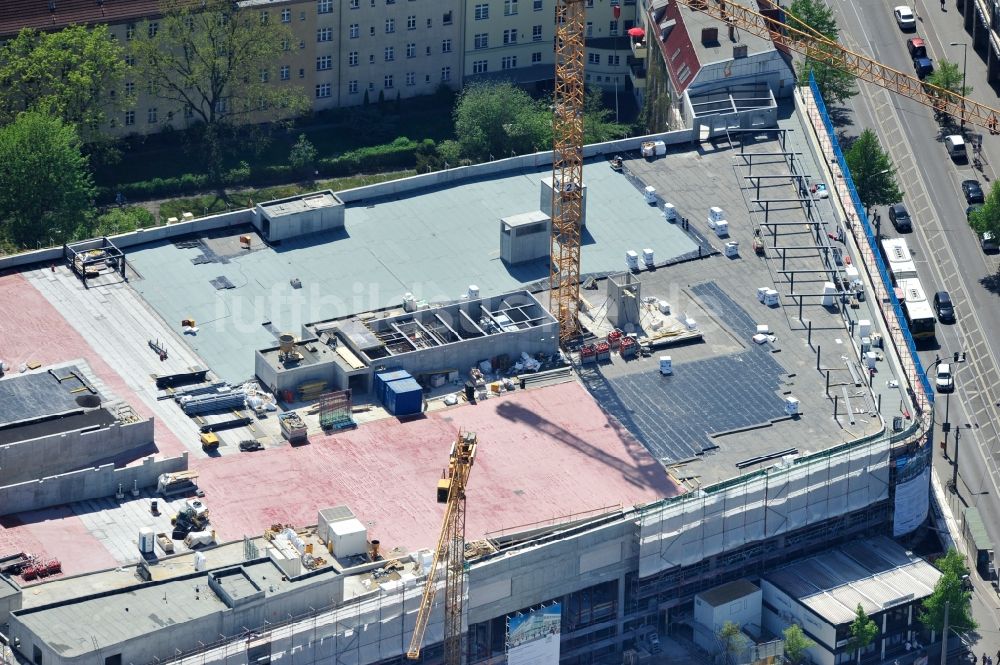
[(916, 47), (973, 191), (971, 209), (943, 307), (956, 147), (905, 18), (945, 381), (923, 66), (988, 242), (900, 217)]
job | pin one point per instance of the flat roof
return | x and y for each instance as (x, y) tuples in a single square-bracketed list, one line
[(72, 627), (41, 394), (878, 573), (373, 261), (722, 49), (311, 352), (723, 409), (728, 592), (545, 453)]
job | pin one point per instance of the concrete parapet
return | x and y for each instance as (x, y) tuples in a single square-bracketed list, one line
[(85, 484)]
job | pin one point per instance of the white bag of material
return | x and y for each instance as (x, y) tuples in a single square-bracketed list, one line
[(451, 400)]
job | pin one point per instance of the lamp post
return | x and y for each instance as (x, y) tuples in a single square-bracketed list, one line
[(965, 55)]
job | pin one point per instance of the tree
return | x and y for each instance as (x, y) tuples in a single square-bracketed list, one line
[(796, 644), (949, 589), (812, 15), (834, 84), (215, 60), (46, 193), (497, 118), (303, 156), (987, 218), (598, 126), (948, 75), (872, 171), (732, 640), (863, 631), (74, 74)]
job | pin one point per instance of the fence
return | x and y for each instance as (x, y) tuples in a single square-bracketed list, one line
[(892, 309)]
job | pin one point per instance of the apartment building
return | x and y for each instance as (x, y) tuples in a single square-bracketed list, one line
[(513, 40), (346, 51)]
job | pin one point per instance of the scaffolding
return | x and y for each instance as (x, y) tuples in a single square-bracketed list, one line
[(335, 410)]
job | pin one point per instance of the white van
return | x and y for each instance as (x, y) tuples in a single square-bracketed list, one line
[(956, 147)]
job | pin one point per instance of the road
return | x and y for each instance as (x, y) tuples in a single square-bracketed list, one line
[(946, 251)]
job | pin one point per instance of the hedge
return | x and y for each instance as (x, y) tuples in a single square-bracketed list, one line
[(398, 155)]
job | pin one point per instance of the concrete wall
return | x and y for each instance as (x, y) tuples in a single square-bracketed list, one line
[(85, 484), (781, 611), (290, 378), (10, 598), (59, 453), (507, 584)]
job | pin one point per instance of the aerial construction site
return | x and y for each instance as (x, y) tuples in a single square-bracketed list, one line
[(555, 408)]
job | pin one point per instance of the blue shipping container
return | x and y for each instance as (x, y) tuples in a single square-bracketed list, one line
[(404, 397), (384, 378)]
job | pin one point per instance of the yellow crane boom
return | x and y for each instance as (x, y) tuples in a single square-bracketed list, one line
[(800, 38), (450, 554), (567, 167)]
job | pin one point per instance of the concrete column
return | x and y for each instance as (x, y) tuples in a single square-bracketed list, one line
[(992, 66), (909, 623)]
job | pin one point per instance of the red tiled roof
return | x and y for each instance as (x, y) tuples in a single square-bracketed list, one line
[(56, 14), (678, 49)]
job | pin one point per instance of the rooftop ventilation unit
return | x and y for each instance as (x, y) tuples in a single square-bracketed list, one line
[(739, 51)]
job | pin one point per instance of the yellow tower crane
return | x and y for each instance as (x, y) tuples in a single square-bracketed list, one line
[(784, 30), (567, 168), (450, 554)]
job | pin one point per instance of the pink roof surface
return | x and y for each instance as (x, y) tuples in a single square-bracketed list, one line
[(543, 454)]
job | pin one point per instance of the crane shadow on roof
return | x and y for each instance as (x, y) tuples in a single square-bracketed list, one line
[(643, 471)]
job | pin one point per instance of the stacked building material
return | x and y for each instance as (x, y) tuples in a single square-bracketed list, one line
[(311, 390), (213, 402)]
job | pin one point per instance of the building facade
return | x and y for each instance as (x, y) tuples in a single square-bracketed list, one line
[(349, 52)]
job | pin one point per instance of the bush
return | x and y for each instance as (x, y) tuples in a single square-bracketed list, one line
[(122, 220)]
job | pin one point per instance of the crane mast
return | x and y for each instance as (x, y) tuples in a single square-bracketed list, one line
[(567, 167), (450, 554)]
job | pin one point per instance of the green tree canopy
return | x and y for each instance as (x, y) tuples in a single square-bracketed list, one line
[(823, 60), (303, 156), (812, 15), (796, 644), (499, 118), (46, 194), (216, 59), (732, 640), (863, 632), (949, 589), (948, 75), (74, 74), (872, 171), (987, 218)]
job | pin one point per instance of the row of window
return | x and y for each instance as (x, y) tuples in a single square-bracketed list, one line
[(482, 10), (324, 90)]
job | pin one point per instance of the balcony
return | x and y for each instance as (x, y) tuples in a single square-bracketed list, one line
[(637, 74), (639, 50)]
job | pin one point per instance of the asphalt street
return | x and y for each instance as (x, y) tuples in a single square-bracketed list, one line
[(946, 251)]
